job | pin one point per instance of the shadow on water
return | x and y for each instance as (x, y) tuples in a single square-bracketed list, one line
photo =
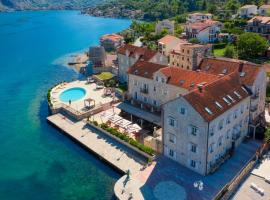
[(27, 188)]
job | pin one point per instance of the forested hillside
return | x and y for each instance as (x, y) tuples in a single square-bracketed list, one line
[(162, 9), (46, 4)]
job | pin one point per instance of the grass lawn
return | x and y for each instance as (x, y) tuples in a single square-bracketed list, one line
[(219, 52), (105, 76)]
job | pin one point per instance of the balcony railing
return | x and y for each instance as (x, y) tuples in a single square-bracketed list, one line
[(144, 90), (145, 106), (255, 96)]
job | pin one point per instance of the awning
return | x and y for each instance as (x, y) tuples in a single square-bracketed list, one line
[(150, 117)]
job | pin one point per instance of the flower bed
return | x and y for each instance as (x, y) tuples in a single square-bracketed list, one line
[(126, 138)]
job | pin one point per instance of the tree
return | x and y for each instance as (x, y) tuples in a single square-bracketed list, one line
[(194, 41), (230, 52), (251, 45), (267, 135)]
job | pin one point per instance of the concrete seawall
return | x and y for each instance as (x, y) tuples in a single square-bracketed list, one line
[(117, 155)]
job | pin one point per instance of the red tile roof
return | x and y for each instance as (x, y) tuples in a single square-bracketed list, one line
[(199, 26), (260, 19), (169, 38), (131, 51), (204, 101), (145, 69), (247, 71), (113, 37), (185, 78)]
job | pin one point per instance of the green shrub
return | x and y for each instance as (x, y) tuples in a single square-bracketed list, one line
[(126, 138), (95, 123)]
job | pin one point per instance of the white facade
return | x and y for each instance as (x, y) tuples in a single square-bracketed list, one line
[(204, 33), (195, 17), (248, 11), (196, 143), (126, 61), (264, 10), (167, 43)]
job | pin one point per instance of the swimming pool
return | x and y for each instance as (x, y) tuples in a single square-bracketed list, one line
[(72, 94)]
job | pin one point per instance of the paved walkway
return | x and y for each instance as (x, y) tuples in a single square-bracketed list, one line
[(165, 173), (110, 150)]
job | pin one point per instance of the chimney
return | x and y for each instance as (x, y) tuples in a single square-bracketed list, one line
[(241, 66), (200, 88)]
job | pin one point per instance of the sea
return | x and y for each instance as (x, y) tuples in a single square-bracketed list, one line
[(37, 162)]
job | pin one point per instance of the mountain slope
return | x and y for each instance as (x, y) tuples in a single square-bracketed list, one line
[(46, 4)]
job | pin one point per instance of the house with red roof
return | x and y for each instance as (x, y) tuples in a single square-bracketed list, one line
[(204, 114), (205, 31), (128, 55), (260, 25), (111, 42)]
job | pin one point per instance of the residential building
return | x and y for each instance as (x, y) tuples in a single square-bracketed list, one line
[(201, 127), (111, 42), (188, 56), (248, 11), (260, 25), (97, 56), (197, 17), (264, 10), (251, 75), (128, 55), (166, 44), (164, 24), (151, 85), (205, 32)]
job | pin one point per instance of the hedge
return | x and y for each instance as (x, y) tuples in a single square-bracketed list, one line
[(127, 139)]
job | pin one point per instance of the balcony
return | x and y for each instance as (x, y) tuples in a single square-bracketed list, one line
[(144, 90)]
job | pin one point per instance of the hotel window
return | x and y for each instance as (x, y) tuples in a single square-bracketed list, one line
[(228, 120), (136, 95), (212, 130), (156, 78), (182, 111), (193, 130), (172, 122), (246, 119), (211, 148), (154, 88), (242, 109), (145, 99), (228, 134), (220, 125), (235, 114), (193, 148), (154, 102), (171, 153), (220, 141), (172, 138), (193, 163), (135, 82), (162, 80)]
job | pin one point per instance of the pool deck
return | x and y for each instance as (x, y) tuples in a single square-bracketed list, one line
[(117, 155), (91, 92)]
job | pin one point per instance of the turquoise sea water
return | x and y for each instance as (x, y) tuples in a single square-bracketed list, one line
[(36, 161)]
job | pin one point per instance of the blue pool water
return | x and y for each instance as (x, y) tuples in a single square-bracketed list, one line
[(37, 161), (72, 94)]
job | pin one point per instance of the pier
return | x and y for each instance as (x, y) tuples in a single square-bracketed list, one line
[(107, 149)]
